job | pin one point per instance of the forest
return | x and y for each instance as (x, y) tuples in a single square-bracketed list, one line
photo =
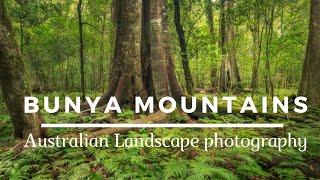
[(158, 48)]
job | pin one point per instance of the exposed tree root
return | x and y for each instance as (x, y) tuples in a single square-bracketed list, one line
[(159, 117)]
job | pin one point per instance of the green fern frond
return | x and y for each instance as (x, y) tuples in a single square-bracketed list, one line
[(197, 176), (219, 161), (200, 167), (292, 163), (111, 166), (251, 170), (221, 173), (79, 172), (245, 157), (289, 173), (175, 168)]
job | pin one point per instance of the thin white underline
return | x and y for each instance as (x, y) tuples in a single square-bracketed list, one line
[(162, 125)]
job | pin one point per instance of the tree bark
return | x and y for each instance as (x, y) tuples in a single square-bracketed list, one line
[(256, 46), (142, 64), (224, 67), (13, 82), (229, 71), (158, 61), (183, 48), (175, 88), (209, 14), (102, 50), (81, 49), (145, 48), (309, 85), (235, 77), (269, 19), (128, 57)]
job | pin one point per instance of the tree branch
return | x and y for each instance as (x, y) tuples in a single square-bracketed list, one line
[(92, 26)]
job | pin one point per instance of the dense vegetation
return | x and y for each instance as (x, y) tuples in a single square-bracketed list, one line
[(158, 48), (49, 42)]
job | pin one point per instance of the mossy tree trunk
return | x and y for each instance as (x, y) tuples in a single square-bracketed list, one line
[(183, 48), (13, 81), (229, 72), (269, 21), (309, 85), (232, 49), (257, 34), (209, 16), (224, 81)]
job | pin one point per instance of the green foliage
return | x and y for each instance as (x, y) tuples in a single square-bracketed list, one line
[(176, 117), (201, 167), (127, 114), (289, 173), (47, 32), (175, 168)]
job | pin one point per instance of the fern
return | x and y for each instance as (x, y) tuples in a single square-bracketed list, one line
[(251, 170), (175, 168), (246, 158), (79, 172), (197, 176), (222, 173), (201, 167), (219, 161), (202, 170), (292, 163), (289, 173), (15, 174), (111, 165), (127, 114)]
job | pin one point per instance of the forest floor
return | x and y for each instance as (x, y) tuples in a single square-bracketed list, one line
[(163, 163)]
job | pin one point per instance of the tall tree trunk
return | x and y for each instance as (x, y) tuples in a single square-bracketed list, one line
[(126, 70), (21, 34), (209, 14), (145, 48), (224, 71), (102, 51), (130, 83), (66, 80), (22, 4), (183, 48), (13, 82), (235, 79), (269, 18), (309, 84), (257, 38), (81, 50), (229, 72), (158, 61), (255, 31), (142, 63), (175, 88)]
